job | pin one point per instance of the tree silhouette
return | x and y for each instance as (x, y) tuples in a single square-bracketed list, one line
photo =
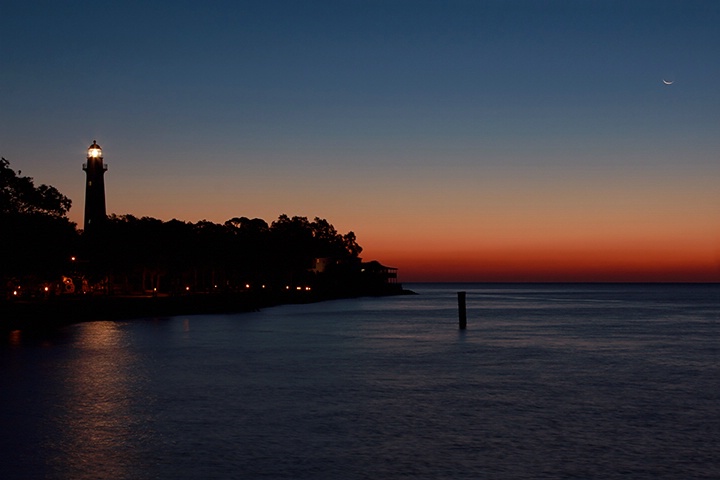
[(132, 255), (173, 256), (19, 195), (36, 239)]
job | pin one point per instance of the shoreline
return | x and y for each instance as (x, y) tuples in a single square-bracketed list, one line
[(52, 313)]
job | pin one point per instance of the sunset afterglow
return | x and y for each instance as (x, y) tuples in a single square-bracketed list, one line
[(483, 141)]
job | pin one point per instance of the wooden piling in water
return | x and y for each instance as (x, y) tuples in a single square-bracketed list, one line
[(462, 311)]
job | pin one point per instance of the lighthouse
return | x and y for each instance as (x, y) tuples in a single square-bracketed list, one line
[(94, 188)]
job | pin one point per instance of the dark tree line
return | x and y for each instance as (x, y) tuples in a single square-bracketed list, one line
[(36, 237), (148, 254), (129, 254)]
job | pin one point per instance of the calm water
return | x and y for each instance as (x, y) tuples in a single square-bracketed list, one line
[(549, 381)]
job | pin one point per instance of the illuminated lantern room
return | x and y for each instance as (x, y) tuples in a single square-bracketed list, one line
[(94, 151), (94, 188)]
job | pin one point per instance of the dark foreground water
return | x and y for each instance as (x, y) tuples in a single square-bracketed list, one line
[(549, 381)]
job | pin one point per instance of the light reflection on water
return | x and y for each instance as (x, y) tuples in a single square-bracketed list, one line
[(95, 419), (547, 382)]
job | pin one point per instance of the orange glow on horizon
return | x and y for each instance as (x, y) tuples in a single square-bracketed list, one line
[(479, 224), (557, 265)]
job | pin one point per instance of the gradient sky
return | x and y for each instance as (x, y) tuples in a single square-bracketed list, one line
[(460, 140)]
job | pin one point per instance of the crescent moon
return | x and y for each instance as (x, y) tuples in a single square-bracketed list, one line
[(668, 82)]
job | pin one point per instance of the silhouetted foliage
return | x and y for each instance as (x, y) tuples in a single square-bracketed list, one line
[(36, 239), (172, 256), (130, 254), (35, 245), (20, 195)]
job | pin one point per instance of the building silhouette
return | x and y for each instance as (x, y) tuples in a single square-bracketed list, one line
[(94, 188)]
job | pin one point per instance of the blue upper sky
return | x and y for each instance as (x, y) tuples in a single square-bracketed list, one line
[(359, 75)]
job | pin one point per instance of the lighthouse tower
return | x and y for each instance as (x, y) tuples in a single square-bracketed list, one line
[(94, 188)]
